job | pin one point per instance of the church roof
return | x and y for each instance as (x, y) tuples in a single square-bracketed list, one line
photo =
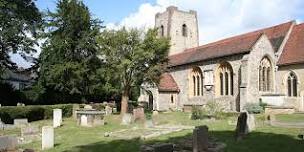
[(167, 83), (231, 46), (293, 52)]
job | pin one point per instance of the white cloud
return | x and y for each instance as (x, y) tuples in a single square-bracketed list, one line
[(221, 18)]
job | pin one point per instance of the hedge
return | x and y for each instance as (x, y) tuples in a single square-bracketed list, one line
[(33, 113)]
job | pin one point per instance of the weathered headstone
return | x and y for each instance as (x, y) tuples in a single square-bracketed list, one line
[(114, 110), (241, 127), (57, 117), (200, 139), (47, 137), (29, 130), (139, 114), (84, 120), (8, 143), (108, 110), (127, 119), (88, 107), (250, 122), (20, 122)]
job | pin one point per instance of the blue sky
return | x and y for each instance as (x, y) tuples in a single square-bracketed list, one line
[(110, 11), (217, 19)]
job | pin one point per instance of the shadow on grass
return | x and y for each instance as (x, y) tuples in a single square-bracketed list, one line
[(254, 142)]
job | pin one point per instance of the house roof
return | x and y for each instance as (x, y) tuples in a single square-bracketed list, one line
[(293, 52), (230, 46), (167, 83)]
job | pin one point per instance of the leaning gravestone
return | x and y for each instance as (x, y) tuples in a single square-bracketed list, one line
[(57, 118), (8, 143), (20, 122), (241, 127), (47, 137), (200, 139)]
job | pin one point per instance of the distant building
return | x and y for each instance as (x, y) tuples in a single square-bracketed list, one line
[(265, 65)]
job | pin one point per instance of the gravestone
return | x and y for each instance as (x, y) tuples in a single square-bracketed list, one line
[(155, 112), (250, 122), (47, 137), (241, 127), (114, 110), (88, 107), (57, 118), (75, 108), (139, 114), (29, 130), (127, 119), (8, 143), (84, 120), (108, 110), (20, 122), (200, 139)]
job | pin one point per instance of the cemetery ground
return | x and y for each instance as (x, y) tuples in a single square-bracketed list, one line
[(72, 138)]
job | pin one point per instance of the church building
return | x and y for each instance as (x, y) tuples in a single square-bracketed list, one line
[(266, 65)]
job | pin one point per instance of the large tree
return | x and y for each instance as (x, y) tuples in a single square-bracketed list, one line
[(68, 62), (135, 57), (19, 21)]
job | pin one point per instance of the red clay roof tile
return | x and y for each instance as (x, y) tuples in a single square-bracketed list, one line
[(230, 46), (293, 51), (167, 83)]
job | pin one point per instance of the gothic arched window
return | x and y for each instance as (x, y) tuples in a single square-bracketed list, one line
[(184, 30), (225, 80), (265, 75), (196, 82), (292, 85)]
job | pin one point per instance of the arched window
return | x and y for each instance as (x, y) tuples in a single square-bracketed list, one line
[(161, 30), (196, 82), (292, 88), (224, 78), (265, 75), (184, 30)]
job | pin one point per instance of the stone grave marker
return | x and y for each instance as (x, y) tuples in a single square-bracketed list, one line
[(88, 107), (20, 122), (84, 121), (29, 134), (139, 114), (108, 110), (57, 118), (75, 108), (250, 122), (114, 110), (47, 137), (127, 119), (241, 127), (8, 143), (200, 139)]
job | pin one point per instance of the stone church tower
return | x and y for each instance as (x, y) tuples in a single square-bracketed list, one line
[(180, 26)]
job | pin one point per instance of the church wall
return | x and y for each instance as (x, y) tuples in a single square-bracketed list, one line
[(282, 74), (165, 102), (181, 76), (261, 49)]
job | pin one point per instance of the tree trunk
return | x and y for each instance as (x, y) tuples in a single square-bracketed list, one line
[(124, 101)]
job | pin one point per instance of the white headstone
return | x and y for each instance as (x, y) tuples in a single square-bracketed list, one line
[(47, 137), (20, 122), (250, 122), (57, 117), (8, 143), (84, 120)]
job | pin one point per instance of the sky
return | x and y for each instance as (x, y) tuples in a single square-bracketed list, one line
[(217, 19)]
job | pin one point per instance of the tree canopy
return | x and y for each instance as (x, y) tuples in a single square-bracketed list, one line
[(19, 22), (68, 61), (135, 57)]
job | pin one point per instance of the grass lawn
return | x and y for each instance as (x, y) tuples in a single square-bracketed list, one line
[(72, 138), (290, 118)]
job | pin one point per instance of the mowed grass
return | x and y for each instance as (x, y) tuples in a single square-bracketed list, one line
[(290, 118), (73, 138)]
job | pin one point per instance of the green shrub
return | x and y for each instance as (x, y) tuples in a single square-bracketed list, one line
[(33, 113), (197, 113), (253, 108)]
